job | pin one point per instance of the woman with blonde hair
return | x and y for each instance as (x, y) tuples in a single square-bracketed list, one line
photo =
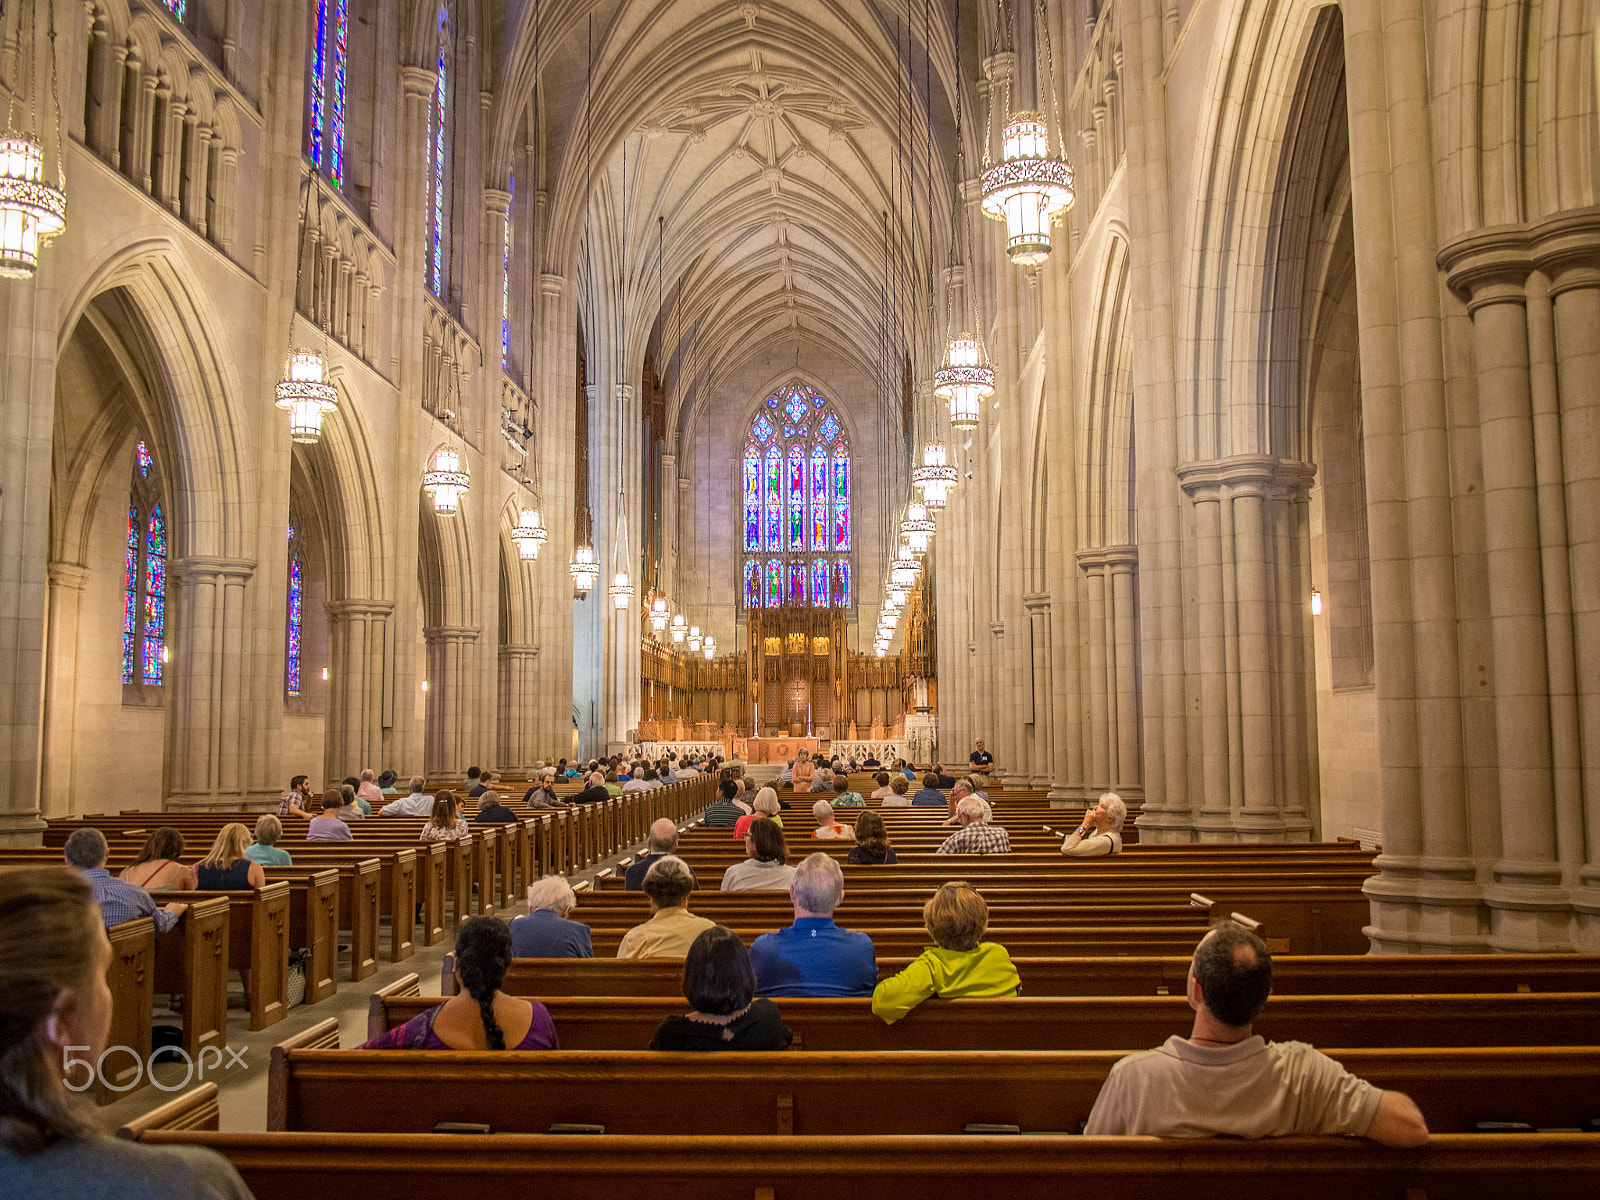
[(447, 824), (958, 966), (53, 995), (227, 868), (157, 868)]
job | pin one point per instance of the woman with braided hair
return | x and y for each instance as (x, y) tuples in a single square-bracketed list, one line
[(479, 1016)]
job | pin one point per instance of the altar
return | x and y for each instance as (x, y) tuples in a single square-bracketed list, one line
[(776, 749)]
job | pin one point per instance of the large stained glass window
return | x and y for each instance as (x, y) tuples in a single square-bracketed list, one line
[(505, 277), (437, 148), (144, 576), (297, 583), (330, 44), (795, 477)]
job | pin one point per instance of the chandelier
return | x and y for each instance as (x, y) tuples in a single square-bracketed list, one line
[(31, 211), (658, 615), (621, 591), (694, 639), (711, 648), (529, 534), (935, 476), (1027, 189), (584, 569), (965, 379), (903, 571), (679, 629), (305, 394), (446, 481), (917, 527)]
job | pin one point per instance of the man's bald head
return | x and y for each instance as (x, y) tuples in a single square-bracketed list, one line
[(1234, 970), (663, 837)]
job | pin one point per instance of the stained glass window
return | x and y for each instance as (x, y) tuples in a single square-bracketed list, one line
[(144, 576), (841, 584), (795, 475), (178, 8), (296, 596), (436, 153), (330, 44), (505, 279)]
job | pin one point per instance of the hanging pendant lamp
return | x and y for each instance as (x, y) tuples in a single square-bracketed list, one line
[(710, 648), (446, 481), (584, 569), (305, 394), (31, 211), (917, 527), (658, 615), (679, 629), (694, 639), (530, 534), (965, 379), (1027, 189), (935, 476)]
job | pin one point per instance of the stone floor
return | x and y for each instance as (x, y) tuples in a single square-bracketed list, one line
[(242, 1089)]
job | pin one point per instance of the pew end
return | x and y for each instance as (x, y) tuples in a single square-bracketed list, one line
[(324, 1035), (406, 985), (195, 1110), (447, 975)]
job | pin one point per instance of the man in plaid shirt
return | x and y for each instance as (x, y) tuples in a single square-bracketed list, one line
[(119, 901), (976, 836), (298, 801)]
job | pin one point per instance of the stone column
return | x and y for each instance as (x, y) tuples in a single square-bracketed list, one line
[(1097, 757), (1122, 565), (519, 713), (207, 675), (668, 577), (452, 698), (1038, 606), (556, 371), (59, 788), (358, 632)]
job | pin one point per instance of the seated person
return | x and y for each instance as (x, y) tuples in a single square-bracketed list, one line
[(843, 797), (827, 828), (821, 780), (897, 797), (613, 785), (718, 981), (479, 1016), (663, 841), (1225, 1080), (368, 792), (929, 795), (447, 824), (871, 761), (53, 961), (945, 781), (157, 868), (962, 791), (960, 965), (350, 809), (765, 870), (542, 792), (297, 802), (872, 842), (1100, 832), (814, 957), (787, 774), (672, 928), (119, 902), (976, 835), (745, 797), (474, 783), (595, 792), (492, 810), (265, 849), (227, 868), (547, 931), (883, 790), (766, 809), (724, 813), (328, 827), (417, 804), (386, 783)]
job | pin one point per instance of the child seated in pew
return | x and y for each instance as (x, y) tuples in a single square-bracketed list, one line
[(959, 967), (157, 868), (719, 981), (53, 994), (265, 850), (479, 1016)]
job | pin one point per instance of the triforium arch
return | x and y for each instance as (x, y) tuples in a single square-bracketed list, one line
[(452, 632)]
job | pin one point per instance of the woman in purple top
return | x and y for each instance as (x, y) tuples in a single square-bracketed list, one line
[(479, 1016)]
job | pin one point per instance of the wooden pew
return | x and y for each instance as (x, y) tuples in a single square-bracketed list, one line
[(280, 1166), (131, 977), (638, 1092), (258, 946), (1291, 975), (313, 924), (192, 961), (1085, 1022)]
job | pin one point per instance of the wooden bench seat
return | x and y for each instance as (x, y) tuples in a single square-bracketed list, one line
[(258, 945), (1079, 1022)]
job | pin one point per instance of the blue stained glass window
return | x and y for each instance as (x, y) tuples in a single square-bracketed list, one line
[(296, 594), (341, 39), (505, 279), (841, 584), (329, 51), (141, 456), (319, 73), (440, 92), (130, 597), (155, 595), (178, 8), (752, 500), (795, 474)]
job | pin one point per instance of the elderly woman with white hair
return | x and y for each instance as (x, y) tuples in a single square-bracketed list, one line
[(1100, 832), (827, 828), (546, 932)]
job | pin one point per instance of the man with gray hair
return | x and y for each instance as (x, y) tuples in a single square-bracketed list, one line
[(546, 932), (417, 804), (814, 957), (119, 901), (976, 835), (663, 841)]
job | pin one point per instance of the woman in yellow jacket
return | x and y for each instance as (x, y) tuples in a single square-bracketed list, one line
[(960, 966)]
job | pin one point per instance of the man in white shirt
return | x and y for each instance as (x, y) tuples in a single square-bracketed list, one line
[(1223, 1079), (415, 805)]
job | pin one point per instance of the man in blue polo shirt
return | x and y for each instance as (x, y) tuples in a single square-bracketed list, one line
[(814, 957)]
